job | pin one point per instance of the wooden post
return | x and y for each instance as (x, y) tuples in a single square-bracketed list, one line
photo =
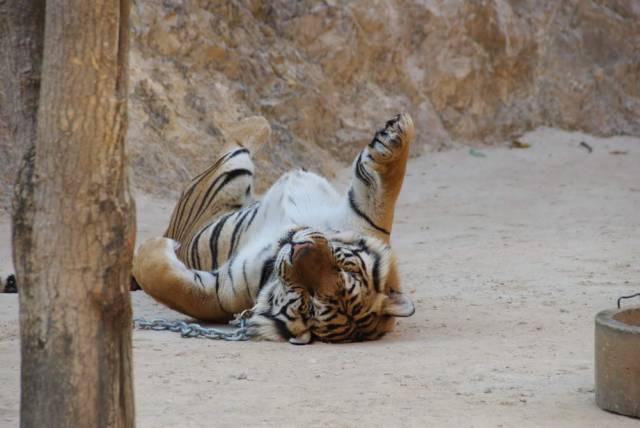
[(74, 225)]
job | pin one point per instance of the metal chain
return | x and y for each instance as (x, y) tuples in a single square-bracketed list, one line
[(196, 330)]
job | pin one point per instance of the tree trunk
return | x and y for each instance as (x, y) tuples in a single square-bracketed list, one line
[(21, 39), (74, 226)]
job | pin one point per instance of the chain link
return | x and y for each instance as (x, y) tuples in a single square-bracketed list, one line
[(240, 333)]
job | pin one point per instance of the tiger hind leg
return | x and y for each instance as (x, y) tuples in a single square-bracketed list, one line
[(180, 270), (224, 187)]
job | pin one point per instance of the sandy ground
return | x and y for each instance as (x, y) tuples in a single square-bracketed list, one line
[(508, 257)]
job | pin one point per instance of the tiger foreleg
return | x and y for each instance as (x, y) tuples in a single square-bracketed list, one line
[(378, 173)]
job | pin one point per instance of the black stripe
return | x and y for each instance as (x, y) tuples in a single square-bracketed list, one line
[(216, 165), (207, 171), (395, 119), (376, 137), (362, 173), (238, 152), (187, 194), (344, 335), (331, 317), (234, 234), (188, 220), (213, 241), (283, 309), (231, 175), (355, 208), (376, 272), (216, 275), (363, 265), (325, 311), (365, 320), (207, 199), (198, 279), (379, 141), (195, 256), (230, 275), (334, 326), (184, 198), (246, 281), (350, 290), (267, 270), (256, 208), (175, 231)]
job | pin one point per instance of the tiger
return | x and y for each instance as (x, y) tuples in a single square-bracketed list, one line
[(310, 263)]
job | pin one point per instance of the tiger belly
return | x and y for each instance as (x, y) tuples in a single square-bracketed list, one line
[(301, 198)]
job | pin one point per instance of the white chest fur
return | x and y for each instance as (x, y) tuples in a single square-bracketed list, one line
[(300, 198)]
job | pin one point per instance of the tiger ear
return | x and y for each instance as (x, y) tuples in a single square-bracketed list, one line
[(398, 305)]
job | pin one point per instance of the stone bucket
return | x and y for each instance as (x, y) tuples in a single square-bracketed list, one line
[(617, 348)]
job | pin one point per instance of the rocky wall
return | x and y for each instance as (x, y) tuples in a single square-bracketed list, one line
[(325, 74)]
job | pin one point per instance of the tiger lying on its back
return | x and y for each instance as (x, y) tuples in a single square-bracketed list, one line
[(312, 263)]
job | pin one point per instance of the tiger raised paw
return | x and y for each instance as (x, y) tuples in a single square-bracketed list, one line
[(313, 264)]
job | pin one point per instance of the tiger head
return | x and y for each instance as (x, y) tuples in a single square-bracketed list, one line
[(334, 288)]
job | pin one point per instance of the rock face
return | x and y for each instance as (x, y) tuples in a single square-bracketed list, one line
[(326, 74)]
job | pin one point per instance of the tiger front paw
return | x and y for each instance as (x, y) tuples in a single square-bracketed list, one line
[(391, 141)]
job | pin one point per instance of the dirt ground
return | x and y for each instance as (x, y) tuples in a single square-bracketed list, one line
[(508, 257)]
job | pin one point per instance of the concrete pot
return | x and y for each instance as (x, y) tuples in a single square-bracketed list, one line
[(617, 349)]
